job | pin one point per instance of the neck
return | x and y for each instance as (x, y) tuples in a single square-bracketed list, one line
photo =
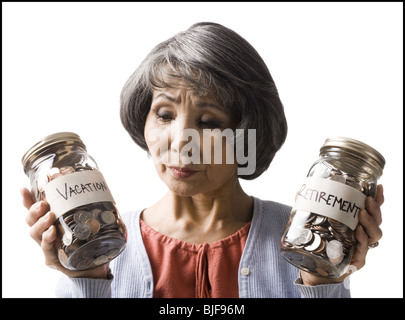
[(203, 217), (230, 203)]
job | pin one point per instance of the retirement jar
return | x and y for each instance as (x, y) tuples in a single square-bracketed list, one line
[(319, 236), (90, 231)]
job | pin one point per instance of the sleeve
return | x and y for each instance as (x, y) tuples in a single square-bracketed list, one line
[(333, 290), (84, 287)]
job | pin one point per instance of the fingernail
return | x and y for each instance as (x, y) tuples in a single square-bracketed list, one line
[(48, 232), (48, 215)]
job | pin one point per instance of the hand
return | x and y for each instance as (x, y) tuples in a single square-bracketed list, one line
[(41, 220), (368, 232)]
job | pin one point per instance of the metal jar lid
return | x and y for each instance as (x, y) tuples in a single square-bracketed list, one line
[(63, 138), (356, 148)]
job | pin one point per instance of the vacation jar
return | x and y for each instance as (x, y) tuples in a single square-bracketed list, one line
[(90, 231), (319, 236)]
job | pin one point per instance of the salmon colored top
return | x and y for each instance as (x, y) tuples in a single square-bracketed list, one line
[(185, 270)]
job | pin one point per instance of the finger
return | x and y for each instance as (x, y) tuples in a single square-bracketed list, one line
[(36, 211), (48, 247), (370, 226), (373, 209), (379, 195), (41, 226), (28, 201), (359, 256)]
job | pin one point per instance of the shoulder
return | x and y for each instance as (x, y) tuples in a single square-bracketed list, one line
[(270, 218), (131, 218), (272, 210)]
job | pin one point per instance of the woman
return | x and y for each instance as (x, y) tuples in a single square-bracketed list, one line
[(206, 237)]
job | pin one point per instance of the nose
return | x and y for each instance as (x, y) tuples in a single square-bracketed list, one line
[(185, 142)]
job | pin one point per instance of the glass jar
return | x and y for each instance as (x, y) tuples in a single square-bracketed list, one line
[(319, 236), (90, 231)]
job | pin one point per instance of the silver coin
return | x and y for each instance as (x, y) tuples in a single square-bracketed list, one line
[(101, 260), (77, 215), (113, 253), (304, 237), (96, 212), (316, 243), (334, 251), (108, 205), (84, 216), (82, 231), (107, 217), (84, 263), (318, 220)]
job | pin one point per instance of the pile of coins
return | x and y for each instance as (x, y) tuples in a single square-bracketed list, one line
[(91, 235), (88, 236), (325, 171), (321, 244), (312, 240)]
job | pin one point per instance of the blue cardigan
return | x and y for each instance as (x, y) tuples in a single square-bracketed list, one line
[(263, 272)]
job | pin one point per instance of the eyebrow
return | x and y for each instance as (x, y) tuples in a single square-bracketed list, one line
[(200, 104)]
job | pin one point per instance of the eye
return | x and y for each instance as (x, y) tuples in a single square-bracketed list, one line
[(164, 115), (209, 123)]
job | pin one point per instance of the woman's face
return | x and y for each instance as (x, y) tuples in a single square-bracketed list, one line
[(187, 138)]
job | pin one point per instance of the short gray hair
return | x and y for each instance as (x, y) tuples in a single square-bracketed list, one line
[(216, 60)]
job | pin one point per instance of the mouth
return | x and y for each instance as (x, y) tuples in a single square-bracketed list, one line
[(181, 172)]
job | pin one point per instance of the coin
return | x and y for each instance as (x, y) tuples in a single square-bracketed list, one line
[(84, 216), (82, 231), (94, 225), (321, 247), (66, 170), (76, 216), (101, 260), (113, 253), (319, 220), (107, 217), (315, 244), (304, 237), (84, 263), (96, 212), (319, 229), (334, 251), (108, 205)]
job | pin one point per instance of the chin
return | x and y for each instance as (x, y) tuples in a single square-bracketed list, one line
[(183, 191)]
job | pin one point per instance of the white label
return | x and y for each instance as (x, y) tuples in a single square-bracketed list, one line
[(76, 189), (331, 199)]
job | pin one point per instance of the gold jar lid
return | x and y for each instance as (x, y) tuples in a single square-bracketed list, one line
[(356, 148), (63, 138)]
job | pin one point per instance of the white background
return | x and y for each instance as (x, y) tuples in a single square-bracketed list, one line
[(338, 68)]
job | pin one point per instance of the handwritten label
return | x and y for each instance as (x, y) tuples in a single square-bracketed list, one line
[(331, 199), (76, 189)]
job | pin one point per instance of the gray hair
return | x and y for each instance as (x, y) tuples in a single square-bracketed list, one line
[(215, 60)]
